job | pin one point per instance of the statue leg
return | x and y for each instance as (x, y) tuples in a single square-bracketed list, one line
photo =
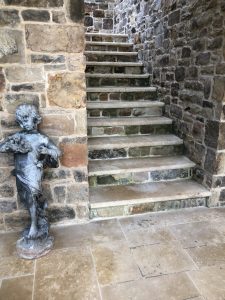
[(32, 206)]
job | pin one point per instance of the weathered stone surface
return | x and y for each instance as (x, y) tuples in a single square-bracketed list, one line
[(74, 154), (7, 206), (26, 87), (76, 62), (203, 58), (7, 190), (36, 15), (2, 81), (58, 213), (9, 17), (16, 220), (11, 46), (57, 125), (13, 100), (219, 89), (212, 134), (80, 175), (174, 18), (76, 10), (55, 38), (47, 59), (24, 74), (67, 90), (77, 193), (58, 17), (35, 3), (59, 193)]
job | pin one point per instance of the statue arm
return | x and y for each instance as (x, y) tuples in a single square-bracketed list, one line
[(52, 153)]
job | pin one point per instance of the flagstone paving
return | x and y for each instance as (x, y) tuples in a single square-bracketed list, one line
[(176, 255)]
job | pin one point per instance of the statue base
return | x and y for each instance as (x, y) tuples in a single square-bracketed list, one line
[(32, 249)]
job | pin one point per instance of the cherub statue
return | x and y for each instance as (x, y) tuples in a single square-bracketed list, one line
[(33, 152)]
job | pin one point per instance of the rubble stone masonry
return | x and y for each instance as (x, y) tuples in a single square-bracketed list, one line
[(42, 62), (182, 44)]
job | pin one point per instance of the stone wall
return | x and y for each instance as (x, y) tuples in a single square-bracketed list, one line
[(42, 62), (99, 15), (182, 44)]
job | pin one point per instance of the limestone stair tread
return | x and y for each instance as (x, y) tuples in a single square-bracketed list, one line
[(123, 104), (110, 196), (129, 121), (120, 89), (132, 165), (102, 34), (118, 44), (114, 64), (116, 75), (111, 53), (99, 143)]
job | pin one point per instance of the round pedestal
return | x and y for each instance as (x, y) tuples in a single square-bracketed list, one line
[(31, 249)]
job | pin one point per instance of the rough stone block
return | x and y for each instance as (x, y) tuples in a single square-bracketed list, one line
[(24, 74), (174, 17), (36, 15), (2, 81), (11, 46), (76, 62), (77, 193), (9, 17), (219, 89), (58, 17), (80, 175), (7, 206), (212, 133), (7, 190), (81, 121), (13, 100), (47, 59), (17, 220), (76, 10), (74, 154), (203, 58), (58, 213), (67, 90), (55, 38), (35, 3), (59, 193), (57, 124), (29, 87)]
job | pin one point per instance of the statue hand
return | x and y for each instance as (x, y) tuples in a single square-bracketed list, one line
[(43, 150)]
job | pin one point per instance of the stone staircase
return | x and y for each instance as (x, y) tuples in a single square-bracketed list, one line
[(136, 164)]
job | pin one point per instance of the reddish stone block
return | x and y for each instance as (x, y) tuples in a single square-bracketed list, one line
[(74, 155), (57, 125)]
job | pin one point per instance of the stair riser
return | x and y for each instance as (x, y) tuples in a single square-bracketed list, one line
[(106, 39), (112, 58), (113, 69), (129, 130), (127, 210), (125, 96), (100, 82), (140, 177), (130, 152), (125, 112), (103, 47)]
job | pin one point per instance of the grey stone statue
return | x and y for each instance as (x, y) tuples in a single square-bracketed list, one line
[(33, 152)]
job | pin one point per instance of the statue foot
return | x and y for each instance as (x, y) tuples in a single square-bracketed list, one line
[(32, 232)]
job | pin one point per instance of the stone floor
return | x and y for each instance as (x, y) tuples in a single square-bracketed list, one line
[(175, 255)]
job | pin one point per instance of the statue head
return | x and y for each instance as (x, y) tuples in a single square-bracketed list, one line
[(27, 117)]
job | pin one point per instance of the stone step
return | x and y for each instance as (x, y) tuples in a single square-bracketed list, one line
[(117, 81), (123, 104), (106, 67), (134, 146), (114, 64), (114, 44), (114, 201), (120, 89), (107, 37), (109, 109), (109, 44), (116, 75), (117, 53), (139, 170), (88, 34), (129, 126), (112, 56)]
